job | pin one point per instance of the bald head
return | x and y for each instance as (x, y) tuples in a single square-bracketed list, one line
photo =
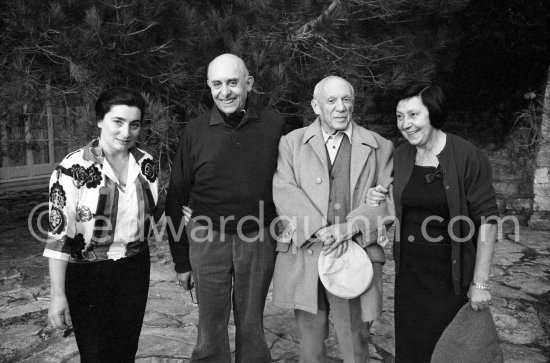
[(325, 82), (225, 60), (229, 83)]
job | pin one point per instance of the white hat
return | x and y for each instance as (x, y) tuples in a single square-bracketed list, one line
[(347, 276)]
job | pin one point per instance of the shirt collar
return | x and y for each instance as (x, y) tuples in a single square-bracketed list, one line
[(93, 152), (216, 117), (347, 131)]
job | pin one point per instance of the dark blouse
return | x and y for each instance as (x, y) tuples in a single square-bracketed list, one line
[(424, 201)]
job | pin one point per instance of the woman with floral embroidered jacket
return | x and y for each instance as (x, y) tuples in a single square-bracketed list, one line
[(101, 200)]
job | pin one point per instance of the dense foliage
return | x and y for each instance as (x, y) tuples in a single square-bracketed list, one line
[(57, 55)]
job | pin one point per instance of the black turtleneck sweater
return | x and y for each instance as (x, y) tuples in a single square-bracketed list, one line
[(224, 167)]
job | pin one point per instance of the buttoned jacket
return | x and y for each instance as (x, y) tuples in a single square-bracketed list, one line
[(301, 188)]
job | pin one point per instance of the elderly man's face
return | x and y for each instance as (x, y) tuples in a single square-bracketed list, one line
[(334, 105), (229, 85)]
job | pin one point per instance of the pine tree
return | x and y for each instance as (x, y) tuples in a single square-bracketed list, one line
[(61, 53)]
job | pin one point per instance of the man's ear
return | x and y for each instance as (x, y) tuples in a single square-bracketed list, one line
[(249, 83), (315, 106), (209, 83)]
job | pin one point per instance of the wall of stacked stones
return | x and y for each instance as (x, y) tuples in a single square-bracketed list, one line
[(541, 186), (513, 181)]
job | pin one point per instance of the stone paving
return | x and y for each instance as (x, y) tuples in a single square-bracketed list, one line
[(520, 285)]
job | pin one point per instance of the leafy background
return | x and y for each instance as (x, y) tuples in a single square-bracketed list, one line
[(57, 55)]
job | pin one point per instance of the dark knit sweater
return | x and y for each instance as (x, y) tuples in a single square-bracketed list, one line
[(223, 171)]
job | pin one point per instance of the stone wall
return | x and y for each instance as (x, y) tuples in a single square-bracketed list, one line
[(541, 186), (513, 181), (541, 203)]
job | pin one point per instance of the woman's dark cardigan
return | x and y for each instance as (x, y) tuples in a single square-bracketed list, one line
[(468, 183)]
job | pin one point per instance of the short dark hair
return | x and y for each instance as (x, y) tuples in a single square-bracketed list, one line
[(118, 96), (433, 97)]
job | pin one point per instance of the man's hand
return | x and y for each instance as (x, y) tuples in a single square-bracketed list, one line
[(186, 280), (187, 214), (58, 314), (337, 250), (334, 236), (376, 195)]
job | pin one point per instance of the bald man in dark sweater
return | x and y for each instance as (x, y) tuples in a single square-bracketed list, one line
[(223, 172)]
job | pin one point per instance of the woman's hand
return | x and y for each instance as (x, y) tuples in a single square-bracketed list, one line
[(376, 195), (58, 314), (479, 298), (187, 214)]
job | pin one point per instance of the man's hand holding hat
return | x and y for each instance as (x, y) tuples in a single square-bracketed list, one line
[(348, 275), (336, 237)]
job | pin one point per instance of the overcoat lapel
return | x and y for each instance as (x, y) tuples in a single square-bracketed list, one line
[(362, 144), (314, 137)]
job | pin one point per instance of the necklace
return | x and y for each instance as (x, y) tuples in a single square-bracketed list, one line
[(428, 155), (122, 174)]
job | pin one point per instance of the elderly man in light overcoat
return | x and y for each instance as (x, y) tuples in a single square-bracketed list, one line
[(323, 174)]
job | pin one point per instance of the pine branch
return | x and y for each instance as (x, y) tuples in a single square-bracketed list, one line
[(142, 30), (311, 25)]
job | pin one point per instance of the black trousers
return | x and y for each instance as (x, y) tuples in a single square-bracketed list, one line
[(107, 302)]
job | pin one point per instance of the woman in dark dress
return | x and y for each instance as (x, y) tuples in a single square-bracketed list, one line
[(446, 208)]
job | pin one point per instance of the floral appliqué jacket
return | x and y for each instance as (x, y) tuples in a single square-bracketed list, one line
[(94, 217)]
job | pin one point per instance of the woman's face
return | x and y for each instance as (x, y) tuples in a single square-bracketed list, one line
[(120, 128), (413, 120)]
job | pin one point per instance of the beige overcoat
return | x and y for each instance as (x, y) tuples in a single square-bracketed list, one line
[(301, 191)]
